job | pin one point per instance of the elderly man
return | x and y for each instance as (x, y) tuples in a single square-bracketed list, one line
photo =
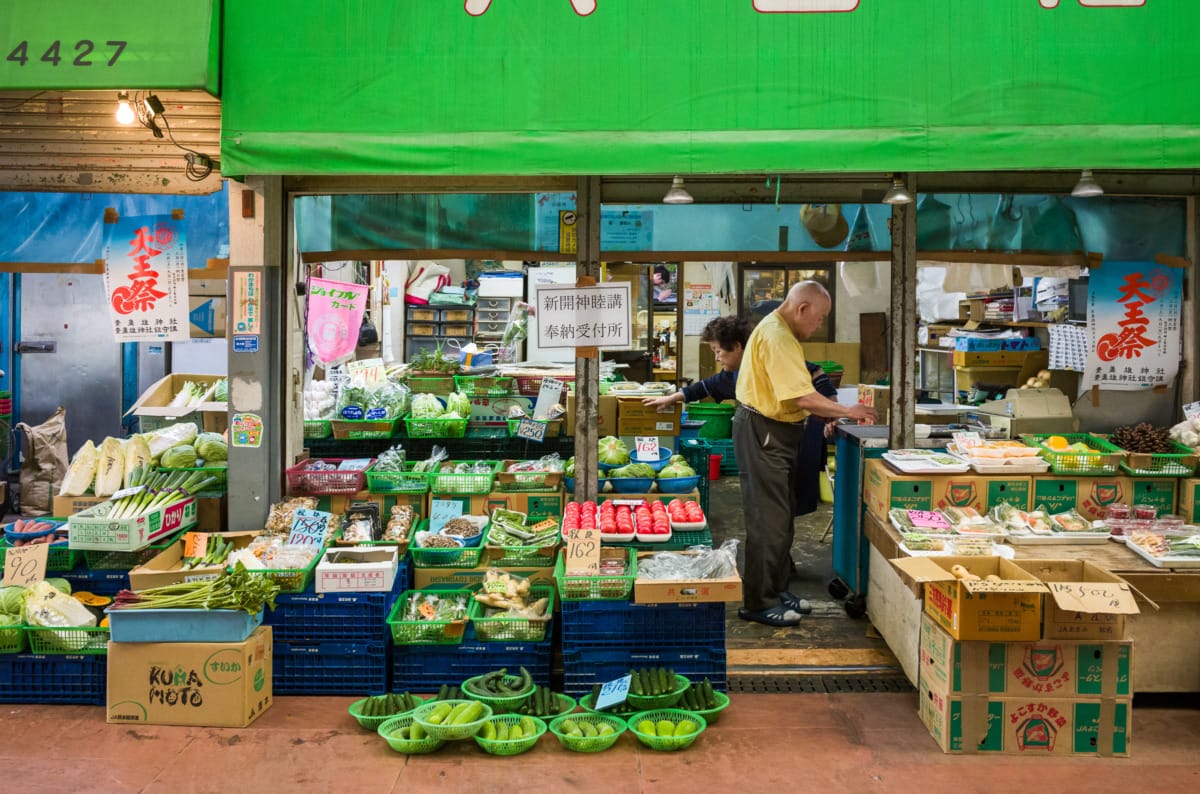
[(776, 396)]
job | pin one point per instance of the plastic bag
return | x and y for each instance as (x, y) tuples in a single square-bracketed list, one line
[(698, 562)]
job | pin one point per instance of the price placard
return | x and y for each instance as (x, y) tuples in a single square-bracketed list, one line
[(646, 448), (195, 544), (583, 552), (548, 397), (1191, 410), (354, 464), (308, 528), (614, 693), (121, 494), (26, 565), (531, 429), (441, 511), (369, 372), (928, 519)]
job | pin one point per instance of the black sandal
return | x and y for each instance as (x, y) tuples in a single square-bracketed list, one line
[(780, 617), (795, 603)]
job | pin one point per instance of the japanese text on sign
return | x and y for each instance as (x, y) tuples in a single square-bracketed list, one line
[(583, 552), (1135, 325), (927, 519), (442, 511), (26, 565), (308, 528), (613, 693), (646, 448), (531, 429), (335, 312), (569, 317), (145, 279)]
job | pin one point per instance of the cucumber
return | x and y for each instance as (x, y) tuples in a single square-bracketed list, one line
[(416, 733), (588, 728), (528, 727), (667, 684), (501, 731), (635, 685)]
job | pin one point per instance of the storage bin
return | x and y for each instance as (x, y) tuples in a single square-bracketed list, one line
[(330, 668), (585, 667), (625, 624), (424, 668), (311, 617), (717, 417), (37, 678), (181, 625)]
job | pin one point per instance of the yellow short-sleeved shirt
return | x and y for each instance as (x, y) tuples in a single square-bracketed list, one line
[(773, 374)]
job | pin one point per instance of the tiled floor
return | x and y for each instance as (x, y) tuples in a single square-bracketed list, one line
[(763, 743)]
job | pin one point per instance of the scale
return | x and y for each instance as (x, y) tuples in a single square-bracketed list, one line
[(1035, 411)]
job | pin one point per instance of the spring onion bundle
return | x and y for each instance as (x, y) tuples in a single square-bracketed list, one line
[(156, 490)]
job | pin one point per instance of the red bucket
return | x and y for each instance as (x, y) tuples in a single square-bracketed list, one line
[(714, 467)]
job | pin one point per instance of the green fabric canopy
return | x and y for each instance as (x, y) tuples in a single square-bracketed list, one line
[(532, 87)]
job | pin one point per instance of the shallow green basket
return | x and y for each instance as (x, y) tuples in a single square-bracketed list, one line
[(667, 743), (450, 733), (427, 632), (372, 723), (588, 744), (12, 640), (406, 746), (511, 746), (60, 557), (588, 704), (499, 704), (566, 705), (665, 701), (503, 627), (712, 715), (89, 640), (317, 428)]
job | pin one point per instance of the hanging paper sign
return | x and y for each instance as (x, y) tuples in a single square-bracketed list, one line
[(1135, 325), (531, 429), (614, 693), (548, 396), (308, 528), (145, 279), (335, 313), (599, 317), (441, 511)]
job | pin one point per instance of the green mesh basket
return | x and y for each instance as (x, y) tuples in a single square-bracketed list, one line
[(1101, 457), (663, 701), (12, 639), (512, 628), (89, 640), (586, 742), (605, 587), (666, 743), (510, 746), (560, 705), (60, 557), (427, 632), (451, 732), (372, 722), (711, 715), (500, 704), (390, 729)]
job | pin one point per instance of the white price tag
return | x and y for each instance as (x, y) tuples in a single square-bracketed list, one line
[(614, 693), (647, 448), (531, 429), (1191, 410), (441, 511), (548, 396), (121, 494)]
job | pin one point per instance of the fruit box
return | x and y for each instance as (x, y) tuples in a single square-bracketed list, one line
[(685, 591), (884, 489), (1086, 602), (1045, 668), (635, 419), (166, 567), (94, 530), (1007, 611)]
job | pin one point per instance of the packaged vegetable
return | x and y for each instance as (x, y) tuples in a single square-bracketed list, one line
[(163, 439)]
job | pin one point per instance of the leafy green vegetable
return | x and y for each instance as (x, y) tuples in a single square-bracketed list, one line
[(426, 406), (211, 447), (569, 468), (12, 601), (458, 403), (613, 451), (391, 460), (182, 456), (633, 470), (673, 470)]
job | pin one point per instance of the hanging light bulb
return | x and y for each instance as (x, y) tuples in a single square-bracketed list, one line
[(124, 109), (898, 194), (676, 194), (1087, 186)]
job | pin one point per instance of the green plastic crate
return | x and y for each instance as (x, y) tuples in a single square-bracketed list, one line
[(484, 385), (606, 587), (435, 428), (12, 639), (1180, 463), (407, 481), (697, 451), (317, 428), (477, 483), (462, 557), (427, 632), (1104, 458), (59, 558), (291, 580), (511, 628)]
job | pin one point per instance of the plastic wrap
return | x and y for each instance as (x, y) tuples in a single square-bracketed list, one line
[(698, 562)]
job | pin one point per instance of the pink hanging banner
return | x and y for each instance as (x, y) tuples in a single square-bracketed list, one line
[(335, 313)]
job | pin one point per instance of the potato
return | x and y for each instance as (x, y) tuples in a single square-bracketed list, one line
[(1044, 374)]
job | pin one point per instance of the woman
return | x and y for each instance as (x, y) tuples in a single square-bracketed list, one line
[(810, 462), (727, 337)]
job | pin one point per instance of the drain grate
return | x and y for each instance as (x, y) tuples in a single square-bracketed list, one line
[(818, 684)]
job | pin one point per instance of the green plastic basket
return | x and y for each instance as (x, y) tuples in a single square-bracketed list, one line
[(427, 632), (475, 483), (128, 560), (484, 385), (553, 427), (588, 704), (407, 481), (435, 428), (588, 744), (317, 428), (712, 715), (372, 723), (511, 746), (458, 557), (406, 746), (291, 580), (508, 628), (1104, 458), (664, 701), (717, 418), (521, 556), (1180, 463), (667, 743), (450, 733), (60, 557), (499, 704), (607, 587), (89, 640), (12, 639)]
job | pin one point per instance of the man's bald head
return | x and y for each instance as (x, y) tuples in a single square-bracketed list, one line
[(805, 308)]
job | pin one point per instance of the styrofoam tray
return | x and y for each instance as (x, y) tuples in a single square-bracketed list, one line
[(998, 549), (685, 527), (920, 466), (614, 538), (1029, 465), (653, 538), (1060, 539), (1167, 561)]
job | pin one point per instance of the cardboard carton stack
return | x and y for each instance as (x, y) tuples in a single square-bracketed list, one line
[(1037, 663)]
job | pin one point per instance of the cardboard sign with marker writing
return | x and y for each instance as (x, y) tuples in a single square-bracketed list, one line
[(531, 429), (441, 511), (928, 519), (26, 565), (583, 552), (647, 448), (195, 544), (308, 528)]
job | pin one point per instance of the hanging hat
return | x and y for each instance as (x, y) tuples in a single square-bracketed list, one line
[(825, 224)]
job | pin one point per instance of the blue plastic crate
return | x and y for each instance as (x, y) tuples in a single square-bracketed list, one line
[(584, 667), (312, 617), (100, 582), (424, 668), (587, 624), (330, 668), (39, 678)]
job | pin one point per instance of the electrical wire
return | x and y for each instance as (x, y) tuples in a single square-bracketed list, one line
[(198, 166), (16, 105)]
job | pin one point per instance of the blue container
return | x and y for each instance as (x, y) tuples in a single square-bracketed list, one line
[(40, 678), (424, 668), (631, 484), (584, 667), (677, 484), (590, 624), (664, 457), (98, 582), (312, 617), (330, 668), (15, 536), (181, 625)]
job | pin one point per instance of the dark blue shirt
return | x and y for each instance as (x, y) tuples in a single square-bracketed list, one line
[(723, 386)]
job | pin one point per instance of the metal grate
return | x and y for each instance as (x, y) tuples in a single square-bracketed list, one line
[(817, 684)]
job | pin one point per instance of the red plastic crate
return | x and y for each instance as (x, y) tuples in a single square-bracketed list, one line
[(318, 483)]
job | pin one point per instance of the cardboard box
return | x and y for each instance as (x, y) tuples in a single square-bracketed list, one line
[(94, 530), (369, 569), (1027, 726), (635, 419), (151, 406), (534, 505), (999, 358), (884, 489), (1005, 611), (473, 577), (1091, 496), (606, 416), (938, 332), (220, 685), (493, 411), (211, 513), (877, 397), (1046, 668), (65, 506), (1086, 602), (206, 317), (685, 591), (1157, 491), (1189, 501), (165, 568)]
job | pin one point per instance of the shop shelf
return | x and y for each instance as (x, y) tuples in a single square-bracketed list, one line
[(622, 623), (37, 678), (584, 667), (330, 668), (424, 668), (310, 617)]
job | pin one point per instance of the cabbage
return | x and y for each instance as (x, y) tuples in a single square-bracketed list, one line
[(12, 601), (633, 470), (613, 451), (180, 457), (673, 469), (61, 585), (173, 435), (678, 459), (211, 447), (426, 406), (459, 404)]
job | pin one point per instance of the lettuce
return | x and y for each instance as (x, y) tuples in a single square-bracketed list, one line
[(426, 406), (613, 451)]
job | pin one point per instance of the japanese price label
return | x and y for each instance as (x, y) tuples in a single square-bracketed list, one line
[(26, 565), (928, 519), (613, 693), (309, 528), (583, 552)]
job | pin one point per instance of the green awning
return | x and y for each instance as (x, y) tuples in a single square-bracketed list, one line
[(103, 44), (707, 86)]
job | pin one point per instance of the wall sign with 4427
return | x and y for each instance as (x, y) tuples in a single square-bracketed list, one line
[(84, 52)]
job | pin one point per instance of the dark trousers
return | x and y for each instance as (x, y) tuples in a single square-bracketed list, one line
[(766, 454)]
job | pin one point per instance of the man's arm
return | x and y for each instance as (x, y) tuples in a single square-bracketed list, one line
[(820, 405)]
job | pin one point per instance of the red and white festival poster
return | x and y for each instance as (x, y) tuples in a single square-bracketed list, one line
[(145, 279)]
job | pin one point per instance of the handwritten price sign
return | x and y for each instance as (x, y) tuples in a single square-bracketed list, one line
[(647, 448), (928, 519), (309, 528), (583, 552), (613, 693), (26, 565), (531, 429), (548, 396)]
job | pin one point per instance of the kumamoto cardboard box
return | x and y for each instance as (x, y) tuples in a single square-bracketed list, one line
[(1046, 668), (1008, 610), (606, 415), (210, 684), (1091, 496), (1033, 726), (884, 489), (1086, 602), (1189, 500), (635, 419)]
